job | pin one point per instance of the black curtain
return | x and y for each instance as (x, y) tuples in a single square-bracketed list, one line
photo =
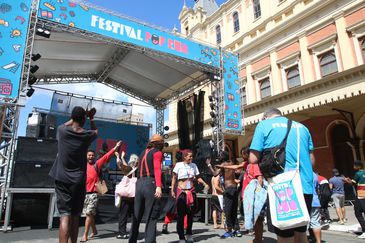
[(190, 121), (183, 125), (198, 118)]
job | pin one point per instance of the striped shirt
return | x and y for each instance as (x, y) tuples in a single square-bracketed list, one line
[(360, 181)]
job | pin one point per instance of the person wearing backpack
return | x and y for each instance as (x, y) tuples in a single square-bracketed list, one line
[(270, 133), (324, 194)]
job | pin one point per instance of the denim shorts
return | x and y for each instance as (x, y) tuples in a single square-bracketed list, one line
[(315, 218)]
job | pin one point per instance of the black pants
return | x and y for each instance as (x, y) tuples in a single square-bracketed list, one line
[(182, 210), (230, 199), (126, 208), (325, 214), (145, 202), (359, 207)]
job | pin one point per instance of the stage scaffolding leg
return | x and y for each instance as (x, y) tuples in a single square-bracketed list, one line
[(9, 127), (160, 119)]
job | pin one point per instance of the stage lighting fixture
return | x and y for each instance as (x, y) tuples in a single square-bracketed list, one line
[(215, 76), (213, 114), (30, 92), (166, 144), (166, 136), (212, 106), (36, 57), (210, 98), (43, 32), (166, 128), (32, 80), (33, 68)]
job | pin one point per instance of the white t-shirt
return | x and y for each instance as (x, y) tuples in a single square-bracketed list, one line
[(184, 171)]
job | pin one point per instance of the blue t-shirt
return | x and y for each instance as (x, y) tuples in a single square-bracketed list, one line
[(338, 185), (270, 133), (315, 201)]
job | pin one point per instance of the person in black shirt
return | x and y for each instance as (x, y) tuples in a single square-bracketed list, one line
[(69, 170)]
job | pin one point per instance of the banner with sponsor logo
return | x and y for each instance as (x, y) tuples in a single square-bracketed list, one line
[(80, 16), (14, 21), (232, 101)]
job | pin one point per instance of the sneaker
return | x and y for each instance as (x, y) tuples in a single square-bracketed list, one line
[(341, 222), (164, 229), (227, 235), (362, 236), (237, 233), (189, 238), (345, 220), (124, 237)]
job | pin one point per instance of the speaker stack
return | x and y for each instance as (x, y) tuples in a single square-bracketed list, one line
[(34, 158), (41, 125)]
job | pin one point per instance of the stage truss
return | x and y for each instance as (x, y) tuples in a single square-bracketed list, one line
[(10, 108)]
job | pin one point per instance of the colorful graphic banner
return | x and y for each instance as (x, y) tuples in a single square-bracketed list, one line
[(232, 101), (14, 21), (83, 17)]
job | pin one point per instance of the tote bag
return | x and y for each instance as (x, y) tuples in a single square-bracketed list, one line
[(287, 204), (126, 187)]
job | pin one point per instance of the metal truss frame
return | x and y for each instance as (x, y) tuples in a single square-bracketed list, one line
[(66, 79), (11, 111), (160, 119), (116, 58), (217, 131)]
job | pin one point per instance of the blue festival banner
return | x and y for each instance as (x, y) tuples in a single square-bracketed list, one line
[(14, 22), (232, 101), (83, 17)]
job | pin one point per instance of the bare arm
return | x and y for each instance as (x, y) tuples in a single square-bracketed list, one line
[(217, 187), (69, 122), (207, 162), (201, 181), (123, 160), (173, 183), (231, 167), (313, 159)]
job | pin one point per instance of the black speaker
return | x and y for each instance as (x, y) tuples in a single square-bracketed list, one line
[(28, 174), (36, 149), (30, 209)]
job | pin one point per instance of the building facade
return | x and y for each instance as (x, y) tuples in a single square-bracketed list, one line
[(305, 57)]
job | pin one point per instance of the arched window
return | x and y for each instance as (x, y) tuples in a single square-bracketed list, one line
[(236, 22), (293, 76), (327, 63), (256, 8), (218, 34)]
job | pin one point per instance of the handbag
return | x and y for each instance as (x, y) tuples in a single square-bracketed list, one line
[(126, 187), (287, 204), (272, 160), (100, 185)]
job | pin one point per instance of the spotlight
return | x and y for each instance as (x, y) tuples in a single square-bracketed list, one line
[(32, 80), (30, 92), (215, 76), (36, 57), (166, 144), (210, 98), (212, 114), (43, 32), (166, 136), (34, 68), (212, 106), (166, 128)]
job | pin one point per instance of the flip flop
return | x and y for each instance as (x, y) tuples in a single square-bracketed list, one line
[(82, 240), (92, 235)]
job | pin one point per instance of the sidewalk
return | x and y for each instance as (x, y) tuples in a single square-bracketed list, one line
[(352, 224)]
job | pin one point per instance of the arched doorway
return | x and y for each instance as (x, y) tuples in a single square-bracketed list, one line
[(342, 149)]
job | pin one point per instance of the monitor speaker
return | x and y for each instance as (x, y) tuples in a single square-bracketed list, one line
[(36, 149), (28, 174)]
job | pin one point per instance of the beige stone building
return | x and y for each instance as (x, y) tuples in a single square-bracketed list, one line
[(305, 57)]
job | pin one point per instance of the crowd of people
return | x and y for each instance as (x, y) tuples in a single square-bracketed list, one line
[(245, 184)]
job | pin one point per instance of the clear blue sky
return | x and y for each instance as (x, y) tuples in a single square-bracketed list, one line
[(162, 13)]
